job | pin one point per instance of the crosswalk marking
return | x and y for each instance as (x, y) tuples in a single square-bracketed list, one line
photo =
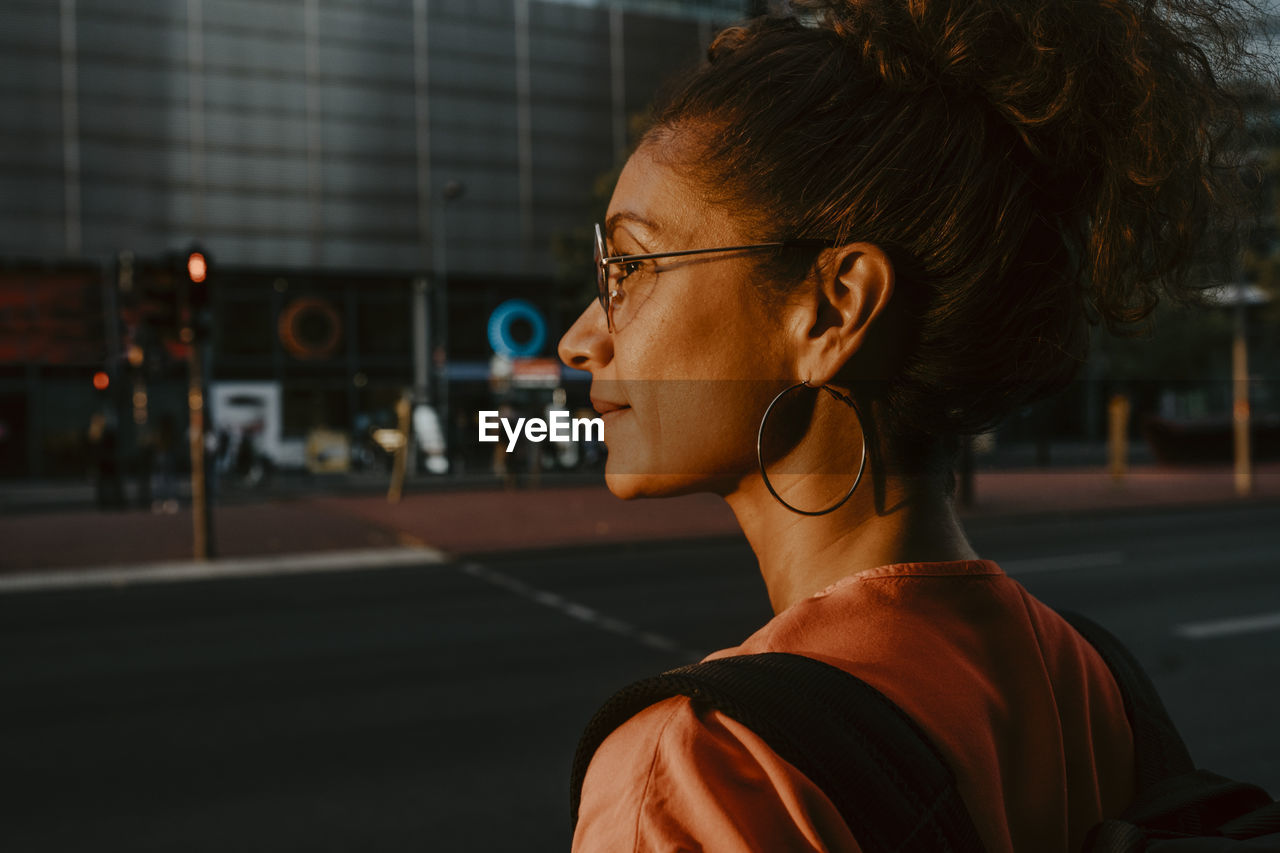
[(1228, 627)]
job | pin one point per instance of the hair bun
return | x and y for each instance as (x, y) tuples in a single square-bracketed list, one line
[(1063, 74)]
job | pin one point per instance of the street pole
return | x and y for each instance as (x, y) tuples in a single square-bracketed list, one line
[(1240, 402), (192, 274), (113, 281), (439, 272), (201, 516), (421, 353), (1118, 436), (452, 190)]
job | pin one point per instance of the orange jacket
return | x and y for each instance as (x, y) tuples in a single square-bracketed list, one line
[(1021, 707)]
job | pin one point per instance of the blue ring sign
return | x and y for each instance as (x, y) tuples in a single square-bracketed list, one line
[(504, 317)]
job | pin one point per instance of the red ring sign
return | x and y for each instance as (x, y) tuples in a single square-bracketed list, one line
[(302, 342)]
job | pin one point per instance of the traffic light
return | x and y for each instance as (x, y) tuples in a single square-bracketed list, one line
[(194, 274), (197, 266), (164, 300)]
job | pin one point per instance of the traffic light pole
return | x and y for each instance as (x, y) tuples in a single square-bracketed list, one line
[(192, 300), (201, 510)]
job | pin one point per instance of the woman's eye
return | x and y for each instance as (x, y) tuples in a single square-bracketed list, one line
[(629, 271), (631, 285)]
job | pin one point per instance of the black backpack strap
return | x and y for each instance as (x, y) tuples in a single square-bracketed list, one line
[(1158, 750), (1205, 803), (873, 762), (1173, 800)]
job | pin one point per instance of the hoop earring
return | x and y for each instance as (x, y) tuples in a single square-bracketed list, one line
[(848, 401)]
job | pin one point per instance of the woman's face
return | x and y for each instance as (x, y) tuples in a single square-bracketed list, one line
[(696, 352)]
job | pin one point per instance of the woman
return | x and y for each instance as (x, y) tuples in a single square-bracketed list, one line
[(877, 231)]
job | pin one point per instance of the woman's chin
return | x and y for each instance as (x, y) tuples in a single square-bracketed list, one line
[(632, 486), (630, 475)]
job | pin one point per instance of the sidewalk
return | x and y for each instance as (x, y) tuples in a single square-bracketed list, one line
[(480, 522), (476, 521)]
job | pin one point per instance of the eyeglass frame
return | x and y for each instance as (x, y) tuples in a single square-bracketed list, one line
[(603, 261)]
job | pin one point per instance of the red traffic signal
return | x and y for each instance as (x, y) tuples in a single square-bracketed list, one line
[(197, 266)]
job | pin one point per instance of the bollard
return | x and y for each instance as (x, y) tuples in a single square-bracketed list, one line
[(400, 459), (1118, 435)]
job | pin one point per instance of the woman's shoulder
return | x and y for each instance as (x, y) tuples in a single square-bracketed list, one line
[(993, 676), (679, 775), (1001, 684), (865, 615)]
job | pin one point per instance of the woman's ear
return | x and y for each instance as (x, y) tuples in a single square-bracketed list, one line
[(846, 296)]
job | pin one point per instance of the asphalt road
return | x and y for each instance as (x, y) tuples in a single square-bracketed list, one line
[(437, 708)]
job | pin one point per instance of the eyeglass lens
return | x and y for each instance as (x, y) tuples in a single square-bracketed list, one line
[(602, 278)]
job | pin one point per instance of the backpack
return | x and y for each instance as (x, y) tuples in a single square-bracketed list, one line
[(886, 778)]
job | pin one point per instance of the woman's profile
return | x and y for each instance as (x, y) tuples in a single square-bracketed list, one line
[(854, 236)]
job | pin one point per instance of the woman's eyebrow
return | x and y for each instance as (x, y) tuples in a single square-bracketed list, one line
[(628, 216)]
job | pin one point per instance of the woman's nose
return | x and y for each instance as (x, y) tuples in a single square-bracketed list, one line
[(587, 345)]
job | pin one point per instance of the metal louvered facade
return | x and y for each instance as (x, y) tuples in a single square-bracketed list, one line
[(316, 133)]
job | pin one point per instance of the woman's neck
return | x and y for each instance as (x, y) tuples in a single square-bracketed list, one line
[(802, 555)]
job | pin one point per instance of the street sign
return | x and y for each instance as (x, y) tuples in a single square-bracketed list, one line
[(535, 373), (516, 329)]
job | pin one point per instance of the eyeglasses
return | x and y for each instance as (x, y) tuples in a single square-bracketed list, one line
[(609, 286)]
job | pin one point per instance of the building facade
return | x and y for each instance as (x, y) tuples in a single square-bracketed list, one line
[(344, 164)]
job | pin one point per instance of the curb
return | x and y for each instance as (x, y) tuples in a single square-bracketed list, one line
[(177, 571), (1009, 513)]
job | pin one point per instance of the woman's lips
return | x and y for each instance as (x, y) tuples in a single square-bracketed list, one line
[(606, 407)]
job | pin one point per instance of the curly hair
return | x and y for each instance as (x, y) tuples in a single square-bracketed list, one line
[(1030, 167)]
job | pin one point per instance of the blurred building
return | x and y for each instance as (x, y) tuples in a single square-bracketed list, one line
[(351, 165), (328, 155)]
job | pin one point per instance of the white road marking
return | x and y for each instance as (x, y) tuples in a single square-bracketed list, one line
[(577, 611), (660, 642), (1227, 627), (550, 599), (1063, 563), (235, 567)]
